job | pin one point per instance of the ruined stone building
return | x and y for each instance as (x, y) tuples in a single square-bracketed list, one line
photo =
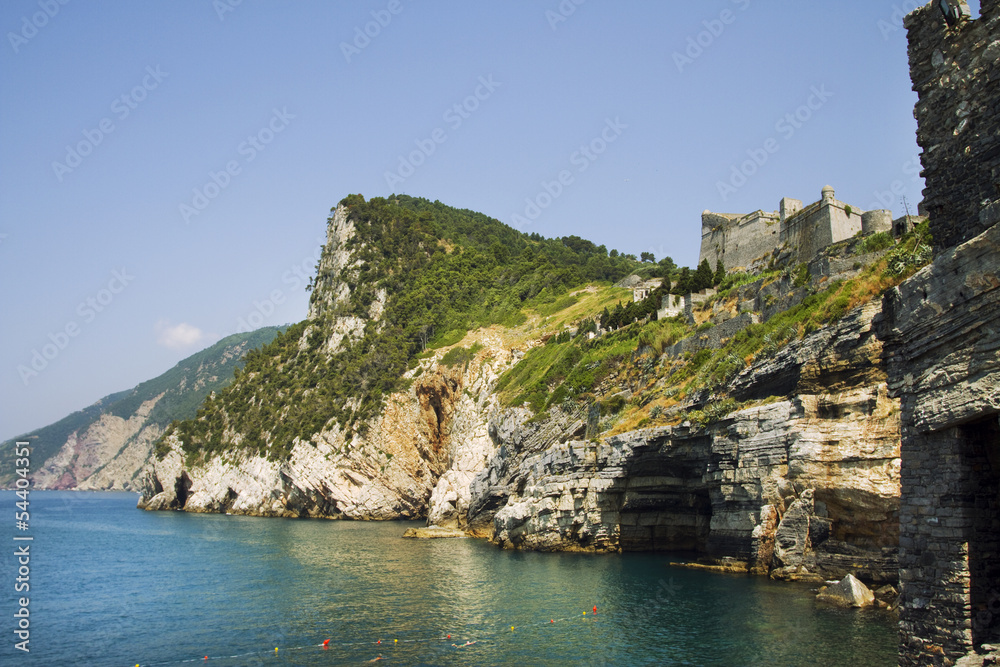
[(941, 333), (645, 288), (741, 240)]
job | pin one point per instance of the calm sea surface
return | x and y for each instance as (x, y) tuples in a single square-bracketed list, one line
[(112, 585)]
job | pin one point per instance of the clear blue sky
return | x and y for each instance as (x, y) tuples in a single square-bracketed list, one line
[(113, 114)]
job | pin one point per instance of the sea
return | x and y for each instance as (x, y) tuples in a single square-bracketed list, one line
[(114, 585)]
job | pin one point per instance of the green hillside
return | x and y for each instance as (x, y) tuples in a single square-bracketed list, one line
[(445, 271), (184, 387)]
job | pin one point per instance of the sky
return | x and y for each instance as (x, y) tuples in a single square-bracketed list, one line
[(167, 168)]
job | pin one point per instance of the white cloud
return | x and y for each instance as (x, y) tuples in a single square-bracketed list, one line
[(178, 336)]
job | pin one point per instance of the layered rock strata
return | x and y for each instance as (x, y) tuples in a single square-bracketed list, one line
[(804, 486), (426, 441)]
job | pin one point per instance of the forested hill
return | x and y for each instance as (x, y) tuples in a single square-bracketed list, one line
[(177, 394), (417, 274)]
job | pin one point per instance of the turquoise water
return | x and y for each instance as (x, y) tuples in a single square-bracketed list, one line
[(112, 585)]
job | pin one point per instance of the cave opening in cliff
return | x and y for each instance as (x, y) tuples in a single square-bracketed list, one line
[(181, 488), (981, 445)]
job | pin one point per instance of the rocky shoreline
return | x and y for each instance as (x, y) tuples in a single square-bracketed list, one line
[(804, 487)]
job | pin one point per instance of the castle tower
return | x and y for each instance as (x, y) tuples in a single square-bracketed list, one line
[(879, 220), (789, 207)]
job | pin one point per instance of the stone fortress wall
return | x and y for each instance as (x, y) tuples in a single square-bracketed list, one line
[(743, 241), (941, 334)]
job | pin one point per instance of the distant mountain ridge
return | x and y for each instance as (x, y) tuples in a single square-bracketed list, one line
[(104, 445)]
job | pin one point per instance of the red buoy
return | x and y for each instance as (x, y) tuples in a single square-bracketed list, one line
[(326, 642), (595, 608)]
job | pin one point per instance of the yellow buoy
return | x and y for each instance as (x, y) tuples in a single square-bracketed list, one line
[(395, 641)]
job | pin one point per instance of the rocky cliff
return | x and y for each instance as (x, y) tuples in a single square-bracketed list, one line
[(767, 442), (420, 451), (807, 485), (420, 448), (106, 445)]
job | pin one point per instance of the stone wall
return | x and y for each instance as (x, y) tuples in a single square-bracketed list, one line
[(956, 73), (819, 225), (941, 330), (942, 350), (879, 220), (737, 240)]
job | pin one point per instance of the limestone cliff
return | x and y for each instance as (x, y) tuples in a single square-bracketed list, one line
[(772, 447), (805, 485), (420, 447), (105, 455), (106, 445), (426, 443)]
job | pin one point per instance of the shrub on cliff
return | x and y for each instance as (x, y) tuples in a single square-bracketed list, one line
[(442, 271)]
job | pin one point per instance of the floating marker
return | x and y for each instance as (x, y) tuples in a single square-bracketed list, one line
[(595, 609), (395, 641), (512, 628), (552, 621), (326, 643), (449, 637)]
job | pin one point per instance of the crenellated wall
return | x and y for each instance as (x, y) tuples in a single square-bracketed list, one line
[(741, 241)]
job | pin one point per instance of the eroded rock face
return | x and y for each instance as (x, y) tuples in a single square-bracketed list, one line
[(805, 487), (107, 455), (415, 459)]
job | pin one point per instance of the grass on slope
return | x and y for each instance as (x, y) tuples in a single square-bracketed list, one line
[(581, 370)]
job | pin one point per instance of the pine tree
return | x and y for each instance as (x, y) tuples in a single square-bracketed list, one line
[(683, 285), (720, 273), (702, 277)]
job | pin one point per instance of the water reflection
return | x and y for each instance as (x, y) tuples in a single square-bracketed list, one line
[(166, 587)]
